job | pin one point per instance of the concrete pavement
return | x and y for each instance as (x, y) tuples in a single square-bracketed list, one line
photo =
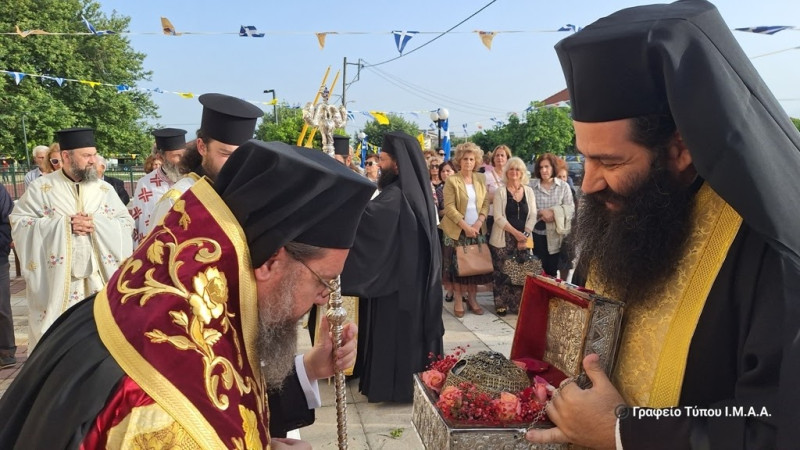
[(370, 425)]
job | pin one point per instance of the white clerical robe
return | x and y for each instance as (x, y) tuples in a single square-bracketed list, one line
[(168, 200), (149, 190), (61, 268)]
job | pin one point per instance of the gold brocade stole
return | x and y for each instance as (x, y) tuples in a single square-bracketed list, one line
[(657, 333)]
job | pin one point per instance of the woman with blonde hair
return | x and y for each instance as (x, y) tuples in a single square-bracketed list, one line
[(466, 206), (494, 179), (53, 160), (514, 217)]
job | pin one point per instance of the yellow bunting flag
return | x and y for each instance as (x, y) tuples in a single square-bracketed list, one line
[(93, 84), (486, 38), (421, 139), (167, 27), (321, 39), (380, 117), (186, 94), (29, 32), (273, 102)]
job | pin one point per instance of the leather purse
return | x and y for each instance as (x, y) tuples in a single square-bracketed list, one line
[(473, 259)]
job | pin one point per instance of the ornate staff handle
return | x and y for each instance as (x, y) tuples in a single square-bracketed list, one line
[(336, 316)]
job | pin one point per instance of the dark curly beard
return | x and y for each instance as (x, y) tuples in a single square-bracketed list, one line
[(387, 177), (634, 250)]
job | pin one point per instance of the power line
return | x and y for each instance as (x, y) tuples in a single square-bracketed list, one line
[(415, 90), (437, 37)]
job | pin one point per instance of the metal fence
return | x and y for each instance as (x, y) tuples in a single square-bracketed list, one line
[(14, 180)]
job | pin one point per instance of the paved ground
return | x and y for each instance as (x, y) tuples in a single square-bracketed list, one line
[(370, 425)]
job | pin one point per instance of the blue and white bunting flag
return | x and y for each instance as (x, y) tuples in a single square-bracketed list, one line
[(17, 76), (401, 38), (93, 30), (250, 31), (765, 30), (570, 27)]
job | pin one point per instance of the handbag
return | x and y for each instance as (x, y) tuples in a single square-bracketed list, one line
[(473, 259), (520, 265)]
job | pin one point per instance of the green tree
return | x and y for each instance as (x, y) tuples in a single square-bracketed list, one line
[(118, 118), (375, 131), (545, 129), (796, 123), (289, 126)]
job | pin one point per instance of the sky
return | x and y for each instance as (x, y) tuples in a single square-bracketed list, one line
[(456, 71)]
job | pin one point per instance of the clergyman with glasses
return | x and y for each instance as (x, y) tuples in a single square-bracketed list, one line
[(185, 345)]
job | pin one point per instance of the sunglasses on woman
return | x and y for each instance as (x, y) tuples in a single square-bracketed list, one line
[(55, 161), (370, 163)]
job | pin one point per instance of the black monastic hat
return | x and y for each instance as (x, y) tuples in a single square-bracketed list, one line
[(341, 145), (682, 59), (228, 119), (73, 138), (281, 193), (168, 139)]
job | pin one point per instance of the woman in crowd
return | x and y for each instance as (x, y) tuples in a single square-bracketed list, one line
[(371, 167), (514, 218), (568, 253), (152, 163), (445, 169), (465, 208), (555, 209), (53, 161), (494, 179)]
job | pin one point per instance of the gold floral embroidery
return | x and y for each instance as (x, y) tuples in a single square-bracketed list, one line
[(32, 266), (209, 318), (180, 207), (46, 187), (252, 438)]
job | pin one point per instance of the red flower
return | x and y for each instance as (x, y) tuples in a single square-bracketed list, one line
[(507, 406), (449, 399), (433, 379)]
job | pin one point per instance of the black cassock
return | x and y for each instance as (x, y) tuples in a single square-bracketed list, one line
[(65, 384), (734, 362), (394, 268)]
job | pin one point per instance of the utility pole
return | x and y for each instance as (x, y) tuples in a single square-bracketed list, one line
[(344, 77), (25, 139), (274, 104)]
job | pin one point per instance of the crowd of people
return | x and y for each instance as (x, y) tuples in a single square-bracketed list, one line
[(182, 334)]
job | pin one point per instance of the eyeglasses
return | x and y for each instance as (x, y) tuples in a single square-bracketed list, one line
[(370, 163), (330, 286), (55, 161)]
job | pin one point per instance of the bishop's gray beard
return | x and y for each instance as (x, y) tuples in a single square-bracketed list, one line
[(171, 171), (277, 332), (632, 252)]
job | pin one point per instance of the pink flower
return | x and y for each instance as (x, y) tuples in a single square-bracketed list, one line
[(433, 379), (540, 393), (449, 398), (508, 407), (520, 364)]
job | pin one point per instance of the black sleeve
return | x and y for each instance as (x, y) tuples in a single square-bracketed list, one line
[(735, 361), (288, 408), (6, 206)]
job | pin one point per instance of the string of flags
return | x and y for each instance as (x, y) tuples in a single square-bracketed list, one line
[(382, 117)]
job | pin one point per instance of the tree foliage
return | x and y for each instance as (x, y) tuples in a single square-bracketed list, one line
[(118, 118), (375, 131), (796, 123), (544, 129), (289, 126)]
